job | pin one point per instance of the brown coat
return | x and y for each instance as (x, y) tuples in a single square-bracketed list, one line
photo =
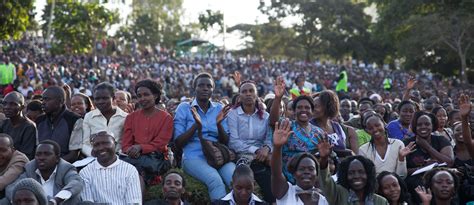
[(14, 168)]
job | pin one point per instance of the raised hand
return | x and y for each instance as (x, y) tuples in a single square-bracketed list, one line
[(411, 83), (196, 117), (403, 152), (282, 133), (279, 87), (464, 105), (237, 78), (324, 147), (223, 114), (424, 194)]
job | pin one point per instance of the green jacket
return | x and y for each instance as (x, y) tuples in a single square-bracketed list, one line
[(337, 194), (342, 84), (7, 74)]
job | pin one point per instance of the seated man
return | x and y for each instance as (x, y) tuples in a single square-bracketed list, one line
[(11, 162), (60, 124), (173, 190), (19, 127), (109, 179), (59, 179)]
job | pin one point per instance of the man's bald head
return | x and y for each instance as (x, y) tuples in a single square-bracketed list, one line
[(15, 96), (57, 92)]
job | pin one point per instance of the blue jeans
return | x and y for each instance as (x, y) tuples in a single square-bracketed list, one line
[(212, 178)]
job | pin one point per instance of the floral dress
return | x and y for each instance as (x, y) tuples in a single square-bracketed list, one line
[(299, 141)]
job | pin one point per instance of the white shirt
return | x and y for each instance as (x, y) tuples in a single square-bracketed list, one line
[(291, 198), (116, 184), (95, 122), (26, 90), (390, 161), (230, 197), (48, 186)]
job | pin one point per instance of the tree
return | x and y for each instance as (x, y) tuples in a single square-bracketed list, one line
[(334, 27), (14, 18), (157, 21), (270, 40), (422, 30), (210, 18), (77, 26)]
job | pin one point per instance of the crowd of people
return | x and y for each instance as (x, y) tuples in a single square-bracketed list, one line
[(85, 129)]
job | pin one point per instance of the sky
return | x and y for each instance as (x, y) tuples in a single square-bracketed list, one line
[(235, 12)]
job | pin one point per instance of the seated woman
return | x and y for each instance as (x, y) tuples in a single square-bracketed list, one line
[(305, 135), (242, 189), (400, 128), (147, 132), (326, 109), (304, 168), (362, 135), (356, 179), (250, 136), (386, 153), (393, 188), (440, 187), (81, 104), (208, 117), (429, 149), (443, 130)]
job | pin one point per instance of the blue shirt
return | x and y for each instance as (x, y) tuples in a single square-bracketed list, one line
[(248, 132), (395, 130), (183, 121)]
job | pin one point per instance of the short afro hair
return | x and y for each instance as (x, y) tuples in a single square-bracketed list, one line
[(434, 120), (303, 97), (295, 161), (154, 87), (369, 170)]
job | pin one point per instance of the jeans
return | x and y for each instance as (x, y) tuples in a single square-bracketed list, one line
[(212, 178)]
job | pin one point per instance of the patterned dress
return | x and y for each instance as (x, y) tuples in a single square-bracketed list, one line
[(300, 141)]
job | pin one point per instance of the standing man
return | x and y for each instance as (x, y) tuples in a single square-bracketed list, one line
[(21, 129), (109, 179), (59, 179), (342, 81), (7, 72), (59, 124)]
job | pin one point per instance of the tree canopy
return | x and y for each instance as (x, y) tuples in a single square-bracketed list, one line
[(14, 18), (77, 26)]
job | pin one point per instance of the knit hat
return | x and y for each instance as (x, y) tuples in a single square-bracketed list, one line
[(33, 186)]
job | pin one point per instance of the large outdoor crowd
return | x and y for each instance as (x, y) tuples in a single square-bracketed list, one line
[(104, 128)]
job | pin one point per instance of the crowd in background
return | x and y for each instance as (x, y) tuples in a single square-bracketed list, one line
[(306, 132)]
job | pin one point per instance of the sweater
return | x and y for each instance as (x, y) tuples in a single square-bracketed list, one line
[(390, 162), (13, 169)]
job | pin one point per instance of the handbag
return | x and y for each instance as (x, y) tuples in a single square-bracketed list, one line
[(149, 165), (217, 154)]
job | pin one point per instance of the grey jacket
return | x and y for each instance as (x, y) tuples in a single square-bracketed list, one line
[(66, 178)]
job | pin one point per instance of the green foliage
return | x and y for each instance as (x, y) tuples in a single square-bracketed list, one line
[(77, 26), (334, 27), (428, 34), (14, 18), (210, 18), (156, 21), (270, 40)]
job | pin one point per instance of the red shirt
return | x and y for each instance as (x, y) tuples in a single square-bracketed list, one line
[(152, 133)]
